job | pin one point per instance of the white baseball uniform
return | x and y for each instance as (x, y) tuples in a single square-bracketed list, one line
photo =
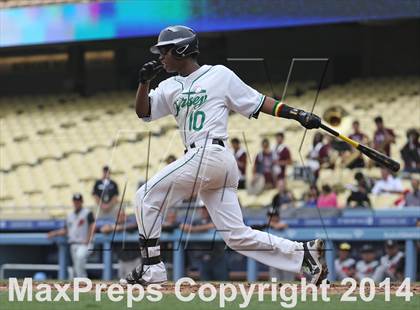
[(366, 270), (388, 267), (200, 103), (342, 267)]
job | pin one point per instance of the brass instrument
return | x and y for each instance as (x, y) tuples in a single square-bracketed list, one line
[(338, 119), (341, 121)]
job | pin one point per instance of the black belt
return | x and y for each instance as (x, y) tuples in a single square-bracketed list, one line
[(213, 141)]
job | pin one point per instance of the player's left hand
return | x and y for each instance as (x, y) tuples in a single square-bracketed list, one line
[(149, 71), (308, 120)]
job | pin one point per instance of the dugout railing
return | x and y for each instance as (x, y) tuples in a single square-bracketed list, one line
[(410, 235)]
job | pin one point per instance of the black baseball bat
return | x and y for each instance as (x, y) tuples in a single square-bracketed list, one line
[(378, 157)]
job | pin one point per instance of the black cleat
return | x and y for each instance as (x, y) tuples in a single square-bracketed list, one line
[(314, 260), (134, 277)]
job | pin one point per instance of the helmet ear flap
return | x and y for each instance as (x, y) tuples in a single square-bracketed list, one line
[(186, 48), (180, 51)]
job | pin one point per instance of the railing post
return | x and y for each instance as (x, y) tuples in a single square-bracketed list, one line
[(62, 260), (178, 260), (410, 260), (107, 260), (330, 257), (251, 270)]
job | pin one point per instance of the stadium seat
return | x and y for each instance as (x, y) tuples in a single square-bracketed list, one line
[(49, 153)]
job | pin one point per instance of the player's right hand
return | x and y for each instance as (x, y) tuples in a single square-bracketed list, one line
[(149, 71), (308, 120)]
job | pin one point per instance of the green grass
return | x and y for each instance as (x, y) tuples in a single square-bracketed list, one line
[(87, 301)]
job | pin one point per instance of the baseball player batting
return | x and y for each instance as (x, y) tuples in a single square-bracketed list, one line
[(200, 98)]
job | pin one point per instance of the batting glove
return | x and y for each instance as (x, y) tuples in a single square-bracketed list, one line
[(308, 120), (149, 71)]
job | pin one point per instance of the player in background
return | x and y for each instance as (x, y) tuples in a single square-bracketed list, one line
[(79, 229), (200, 98), (344, 263), (391, 265), (366, 267)]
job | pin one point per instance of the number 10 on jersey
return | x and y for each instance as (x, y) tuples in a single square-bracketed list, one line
[(196, 120)]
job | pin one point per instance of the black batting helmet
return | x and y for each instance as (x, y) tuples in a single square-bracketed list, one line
[(183, 39)]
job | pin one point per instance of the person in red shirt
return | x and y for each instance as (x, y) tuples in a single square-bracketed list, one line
[(281, 157), (319, 156), (383, 137), (410, 153), (264, 164), (241, 160), (360, 137)]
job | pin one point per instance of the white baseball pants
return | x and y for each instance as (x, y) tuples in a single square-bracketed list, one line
[(79, 254), (212, 173)]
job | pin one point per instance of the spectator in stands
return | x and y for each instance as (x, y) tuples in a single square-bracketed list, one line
[(273, 219), (281, 156), (105, 192), (318, 157), (345, 265), (412, 199), (410, 153), (383, 137), (387, 184), (284, 198), (264, 164), (128, 258), (329, 160), (170, 222), (328, 198), (355, 158), (170, 159), (359, 194), (366, 267), (357, 134), (210, 257), (359, 198), (311, 197), (274, 222), (79, 229), (364, 181), (241, 159), (391, 264)]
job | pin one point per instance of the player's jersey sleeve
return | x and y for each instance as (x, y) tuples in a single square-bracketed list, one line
[(158, 104), (240, 97)]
